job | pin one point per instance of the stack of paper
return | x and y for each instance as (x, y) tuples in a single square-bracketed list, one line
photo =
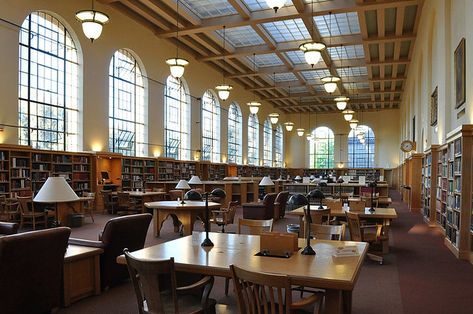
[(349, 250)]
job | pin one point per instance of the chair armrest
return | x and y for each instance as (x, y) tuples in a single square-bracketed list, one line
[(84, 242), (313, 298), (8, 228), (379, 229), (207, 282)]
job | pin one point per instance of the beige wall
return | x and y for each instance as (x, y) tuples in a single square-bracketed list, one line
[(442, 26), (122, 32)]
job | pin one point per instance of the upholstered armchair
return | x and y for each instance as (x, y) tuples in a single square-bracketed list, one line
[(119, 233), (280, 204), (7, 228), (260, 210), (31, 266)]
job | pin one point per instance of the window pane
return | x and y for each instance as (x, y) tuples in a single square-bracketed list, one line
[(361, 155), (210, 127), (253, 140), (235, 123), (322, 148)]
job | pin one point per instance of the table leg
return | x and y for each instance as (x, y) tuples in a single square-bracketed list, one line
[(333, 301), (187, 220)]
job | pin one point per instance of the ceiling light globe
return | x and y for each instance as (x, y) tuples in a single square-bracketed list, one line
[(177, 66), (254, 106), (275, 4), (289, 126), (92, 23), (348, 114), (274, 117), (353, 123), (300, 132), (223, 91), (341, 105), (330, 83), (312, 52), (309, 137)]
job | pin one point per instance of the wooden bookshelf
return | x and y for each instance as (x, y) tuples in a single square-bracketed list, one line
[(137, 171), (429, 184)]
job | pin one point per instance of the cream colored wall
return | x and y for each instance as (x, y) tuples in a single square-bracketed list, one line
[(383, 123), (441, 27), (122, 32)]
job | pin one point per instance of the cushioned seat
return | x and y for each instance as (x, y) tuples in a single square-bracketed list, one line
[(260, 210)]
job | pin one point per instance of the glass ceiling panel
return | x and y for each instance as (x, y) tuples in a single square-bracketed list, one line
[(296, 57), (258, 5), (266, 60), (287, 30), (315, 74), (340, 24), (356, 86), (296, 89), (241, 36), (283, 77), (354, 71), (346, 52), (210, 8)]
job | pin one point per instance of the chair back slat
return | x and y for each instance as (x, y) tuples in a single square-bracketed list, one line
[(354, 226), (357, 206), (254, 226), (327, 232)]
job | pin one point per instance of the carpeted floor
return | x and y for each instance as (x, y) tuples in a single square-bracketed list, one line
[(419, 275)]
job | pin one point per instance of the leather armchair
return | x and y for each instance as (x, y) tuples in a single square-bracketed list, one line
[(280, 204), (119, 233), (31, 266), (260, 210), (7, 228)]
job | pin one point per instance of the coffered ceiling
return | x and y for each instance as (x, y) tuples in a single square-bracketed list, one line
[(369, 46)]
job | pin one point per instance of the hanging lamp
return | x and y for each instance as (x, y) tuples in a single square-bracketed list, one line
[(92, 22), (223, 90), (275, 4), (309, 135), (312, 50), (330, 81), (177, 65), (289, 125), (274, 117), (300, 131), (254, 105), (353, 123), (341, 102), (348, 114)]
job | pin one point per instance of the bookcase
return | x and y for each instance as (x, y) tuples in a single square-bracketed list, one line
[(137, 171), (429, 184), (4, 171)]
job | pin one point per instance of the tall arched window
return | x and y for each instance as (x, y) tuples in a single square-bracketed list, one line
[(177, 123), (127, 107), (278, 146), (322, 148), (210, 127), (267, 144), (361, 155), (235, 123), (253, 140), (49, 113)]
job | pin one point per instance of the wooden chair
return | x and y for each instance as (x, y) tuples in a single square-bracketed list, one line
[(175, 194), (367, 198), (109, 202), (320, 216), (357, 206), (345, 196), (28, 214), (254, 226), (224, 216), (126, 204), (373, 234), (327, 232), (157, 291), (89, 205), (268, 293), (9, 209)]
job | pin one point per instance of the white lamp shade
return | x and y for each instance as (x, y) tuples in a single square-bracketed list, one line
[(309, 136), (254, 106), (312, 52), (92, 22), (223, 91), (289, 126), (275, 4), (330, 83), (300, 132), (348, 114), (341, 105), (56, 190), (195, 180), (297, 177), (353, 123), (183, 185), (176, 66), (266, 181), (274, 117)]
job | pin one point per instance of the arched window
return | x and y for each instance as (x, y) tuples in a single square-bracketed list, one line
[(322, 148), (210, 127), (177, 123), (127, 108), (278, 146), (235, 123), (253, 140), (49, 113), (361, 155), (267, 144)]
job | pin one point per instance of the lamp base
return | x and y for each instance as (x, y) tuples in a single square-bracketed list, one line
[(308, 250), (207, 242), (182, 202), (371, 209)]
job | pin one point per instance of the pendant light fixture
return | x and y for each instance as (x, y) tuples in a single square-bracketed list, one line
[(312, 50), (353, 123), (330, 81), (289, 125), (341, 102), (309, 136), (92, 22), (223, 89), (275, 4), (300, 131), (177, 65), (348, 114), (274, 117), (254, 105)]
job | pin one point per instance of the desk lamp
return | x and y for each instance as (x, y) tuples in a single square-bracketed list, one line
[(195, 180), (217, 193), (182, 185), (56, 190), (298, 200), (266, 181), (340, 181), (372, 185)]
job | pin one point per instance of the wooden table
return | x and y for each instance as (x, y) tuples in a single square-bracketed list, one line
[(81, 273), (183, 215), (63, 209), (337, 275), (144, 196)]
